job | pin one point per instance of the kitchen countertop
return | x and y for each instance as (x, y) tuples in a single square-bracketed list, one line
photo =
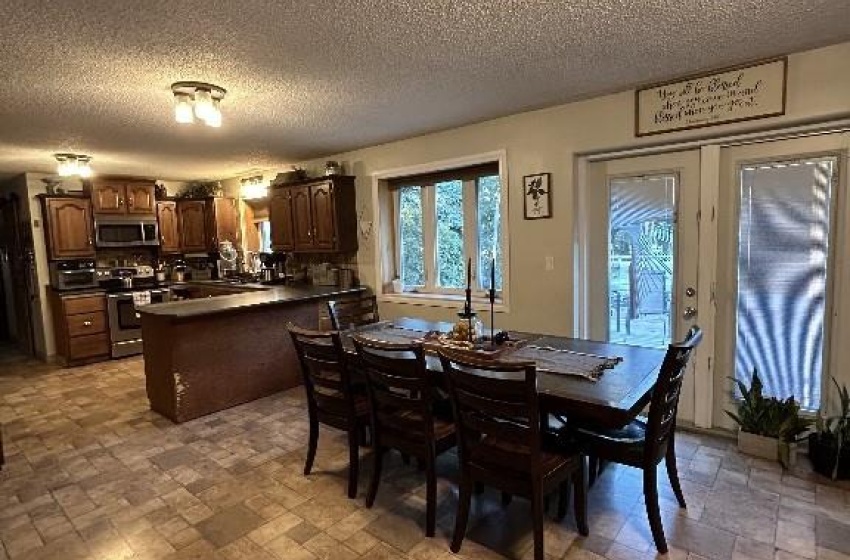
[(269, 295)]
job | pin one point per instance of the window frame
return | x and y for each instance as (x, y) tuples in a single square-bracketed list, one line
[(386, 246)]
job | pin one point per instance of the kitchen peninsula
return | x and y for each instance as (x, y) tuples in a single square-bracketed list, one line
[(206, 355)]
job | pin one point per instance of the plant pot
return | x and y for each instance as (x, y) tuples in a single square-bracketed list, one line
[(758, 446), (787, 454), (823, 453)]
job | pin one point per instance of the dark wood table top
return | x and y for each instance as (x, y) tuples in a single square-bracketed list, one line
[(614, 400)]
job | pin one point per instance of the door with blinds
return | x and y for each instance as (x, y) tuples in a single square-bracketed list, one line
[(780, 244)]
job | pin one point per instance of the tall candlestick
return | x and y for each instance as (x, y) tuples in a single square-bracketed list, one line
[(469, 274), (492, 279)]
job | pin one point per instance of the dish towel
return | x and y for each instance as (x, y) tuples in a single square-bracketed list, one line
[(141, 298)]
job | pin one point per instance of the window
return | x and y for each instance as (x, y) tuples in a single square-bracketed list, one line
[(783, 248), (265, 232), (442, 221)]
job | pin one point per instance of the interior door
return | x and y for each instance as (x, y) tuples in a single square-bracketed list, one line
[(644, 252), (781, 264)]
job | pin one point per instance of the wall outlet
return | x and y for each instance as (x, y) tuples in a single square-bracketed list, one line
[(549, 263)]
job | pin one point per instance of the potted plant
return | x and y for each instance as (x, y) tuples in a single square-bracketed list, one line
[(829, 446), (769, 427)]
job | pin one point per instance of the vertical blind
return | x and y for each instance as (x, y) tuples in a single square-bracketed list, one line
[(783, 249)]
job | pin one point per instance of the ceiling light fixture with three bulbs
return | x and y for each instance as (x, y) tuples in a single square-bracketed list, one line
[(73, 164), (197, 100)]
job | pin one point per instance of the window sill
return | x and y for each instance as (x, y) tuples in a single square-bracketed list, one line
[(453, 301)]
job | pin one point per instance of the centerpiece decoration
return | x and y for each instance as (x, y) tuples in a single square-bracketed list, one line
[(469, 328)]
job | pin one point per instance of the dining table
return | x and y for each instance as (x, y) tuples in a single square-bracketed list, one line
[(610, 400)]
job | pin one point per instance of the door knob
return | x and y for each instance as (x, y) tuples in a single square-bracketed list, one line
[(689, 312)]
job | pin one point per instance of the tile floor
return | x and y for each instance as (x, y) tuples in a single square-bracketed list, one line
[(92, 473)]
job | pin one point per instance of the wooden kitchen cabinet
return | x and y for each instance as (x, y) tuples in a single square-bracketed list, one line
[(282, 230), (169, 226), (204, 223), (317, 215), (122, 196), (68, 227), (193, 225), (80, 326)]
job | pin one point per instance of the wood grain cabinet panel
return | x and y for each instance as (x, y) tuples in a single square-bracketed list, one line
[(193, 225), (169, 226), (224, 221), (80, 326), (317, 215), (69, 227), (86, 323), (281, 220), (108, 197), (141, 198)]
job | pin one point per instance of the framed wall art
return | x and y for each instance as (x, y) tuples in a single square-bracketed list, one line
[(537, 196), (742, 93)]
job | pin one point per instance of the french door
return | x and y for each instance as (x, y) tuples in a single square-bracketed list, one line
[(643, 251), (781, 263)]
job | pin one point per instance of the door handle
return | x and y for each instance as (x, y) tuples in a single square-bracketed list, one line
[(689, 312)]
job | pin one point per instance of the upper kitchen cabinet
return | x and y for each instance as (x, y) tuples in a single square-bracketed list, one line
[(315, 215), (204, 223), (123, 196), (169, 226), (68, 223)]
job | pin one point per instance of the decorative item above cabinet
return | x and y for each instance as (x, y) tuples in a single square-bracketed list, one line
[(122, 196), (313, 215)]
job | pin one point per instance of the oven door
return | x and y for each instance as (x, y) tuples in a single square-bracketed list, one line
[(125, 322)]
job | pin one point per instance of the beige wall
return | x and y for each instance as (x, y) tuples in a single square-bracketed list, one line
[(547, 141)]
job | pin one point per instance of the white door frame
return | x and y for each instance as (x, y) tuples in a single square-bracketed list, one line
[(707, 235)]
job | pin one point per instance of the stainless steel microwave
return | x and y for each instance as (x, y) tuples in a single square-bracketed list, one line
[(125, 231)]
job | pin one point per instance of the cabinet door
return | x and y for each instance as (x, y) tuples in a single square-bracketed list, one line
[(324, 216), (302, 218), (109, 197), (226, 222), (69, 221), (280, 220), (141, 198), (169, 227), (193, 230)]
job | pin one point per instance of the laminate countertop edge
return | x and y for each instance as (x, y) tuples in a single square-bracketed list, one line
[(235, 303)]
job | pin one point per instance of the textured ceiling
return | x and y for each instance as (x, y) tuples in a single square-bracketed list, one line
[(308, 78)]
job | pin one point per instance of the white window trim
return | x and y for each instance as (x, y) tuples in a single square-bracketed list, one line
[(441, 299)]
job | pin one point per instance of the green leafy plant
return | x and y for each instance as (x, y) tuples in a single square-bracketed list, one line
[(834, 431), (768, 416)]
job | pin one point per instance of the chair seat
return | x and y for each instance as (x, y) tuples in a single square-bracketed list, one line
[(632, 433), (494, 452), (623, 445), (408, 419)]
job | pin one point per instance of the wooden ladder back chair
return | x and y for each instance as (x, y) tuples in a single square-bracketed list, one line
[(332, 398), (502, 442), (402, 396), (644, 444), (350, 313)]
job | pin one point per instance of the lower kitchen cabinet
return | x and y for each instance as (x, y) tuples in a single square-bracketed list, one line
[(80, 326)]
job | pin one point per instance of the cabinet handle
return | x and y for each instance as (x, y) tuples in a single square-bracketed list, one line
[(90, 242), (130, 202), (120, 201), (86, 323)]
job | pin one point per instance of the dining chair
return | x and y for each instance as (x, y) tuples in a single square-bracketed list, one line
[(346, 314), (402, 396), (332, 398), (644, 443), (503, 442)]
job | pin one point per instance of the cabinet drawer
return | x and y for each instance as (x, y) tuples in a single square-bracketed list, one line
[(91, 304), (86, 323), (88, 346)]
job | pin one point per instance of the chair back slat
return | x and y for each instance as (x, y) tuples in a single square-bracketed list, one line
[(324, 370), (496, 410), (350, 313), (665, 396), (401, 390)]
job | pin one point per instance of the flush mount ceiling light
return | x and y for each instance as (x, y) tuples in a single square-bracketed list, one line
[(197, 100), (73, 164), (253, 187)]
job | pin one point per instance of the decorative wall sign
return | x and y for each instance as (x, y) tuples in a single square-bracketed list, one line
[(737, 94), (537, 196)]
